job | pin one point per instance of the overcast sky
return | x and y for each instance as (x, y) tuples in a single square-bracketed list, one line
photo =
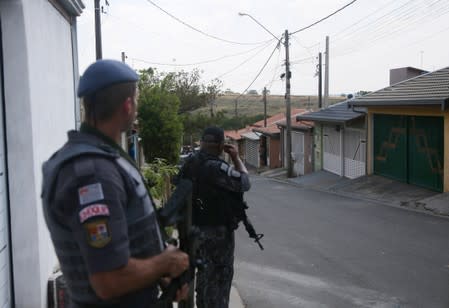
[(366, 39)]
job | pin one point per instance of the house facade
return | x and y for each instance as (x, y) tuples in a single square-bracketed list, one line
[(339, 140), (408, 130), (38, 78), (301, 145)]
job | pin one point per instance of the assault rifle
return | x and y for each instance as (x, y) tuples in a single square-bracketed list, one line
[(241, 216), (178, 212)]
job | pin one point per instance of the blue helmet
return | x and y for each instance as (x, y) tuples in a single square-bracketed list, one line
[(105, 73)]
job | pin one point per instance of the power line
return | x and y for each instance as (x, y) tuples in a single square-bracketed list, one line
[(324, 18), (200, 62), (260, 71), (201, 31), (243, 62), (276, 71), (408, 23)]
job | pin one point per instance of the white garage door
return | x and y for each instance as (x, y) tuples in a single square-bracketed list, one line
[(5, 277), (331, 150)]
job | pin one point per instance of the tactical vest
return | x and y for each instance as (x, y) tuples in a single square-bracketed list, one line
[(143, 230), (212, 205)]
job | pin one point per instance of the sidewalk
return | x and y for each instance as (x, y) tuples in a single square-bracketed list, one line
[(235, 300), (374, 188)]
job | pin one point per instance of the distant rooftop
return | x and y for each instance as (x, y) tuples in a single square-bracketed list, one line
[(337, 113)]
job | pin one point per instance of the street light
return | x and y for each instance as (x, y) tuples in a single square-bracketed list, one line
[(287, 95), (255, 20)]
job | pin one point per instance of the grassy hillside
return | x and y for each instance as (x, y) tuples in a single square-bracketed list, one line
[(250, 105)]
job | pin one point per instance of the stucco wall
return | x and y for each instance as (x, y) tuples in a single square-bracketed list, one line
[(39, 109)]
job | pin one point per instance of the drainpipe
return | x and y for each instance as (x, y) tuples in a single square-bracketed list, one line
[(73, 32), (342, 150)]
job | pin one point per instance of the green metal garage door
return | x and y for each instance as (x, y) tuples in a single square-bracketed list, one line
[(426, 148), (410, 149), (390, 146)]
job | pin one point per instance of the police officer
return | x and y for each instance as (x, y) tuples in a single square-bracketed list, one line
[(217, 188), (101, 219)]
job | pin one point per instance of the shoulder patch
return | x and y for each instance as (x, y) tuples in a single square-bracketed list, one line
[(224, 167), (98, 235), (93, 210), (90, 193), (235, 174)]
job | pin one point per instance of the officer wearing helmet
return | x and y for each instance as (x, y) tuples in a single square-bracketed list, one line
[(100, 216)]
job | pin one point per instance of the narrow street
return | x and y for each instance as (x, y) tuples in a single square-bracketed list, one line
[(324, 250)]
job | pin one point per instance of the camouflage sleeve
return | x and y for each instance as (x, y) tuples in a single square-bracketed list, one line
[(226, 177)]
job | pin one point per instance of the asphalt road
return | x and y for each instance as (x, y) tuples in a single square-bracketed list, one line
[(324, 250)]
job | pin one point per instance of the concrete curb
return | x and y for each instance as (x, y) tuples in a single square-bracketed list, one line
[(334, 191), (235, 300)]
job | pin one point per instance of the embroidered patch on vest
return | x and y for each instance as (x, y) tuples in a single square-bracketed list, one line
[(93, 210), (98, 234), (90, 193)]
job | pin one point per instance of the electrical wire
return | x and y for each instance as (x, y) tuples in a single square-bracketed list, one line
[(260, 71), (244, 62), (275, 71), (323, 19), (201, 62), (201, 31), (409, 22)]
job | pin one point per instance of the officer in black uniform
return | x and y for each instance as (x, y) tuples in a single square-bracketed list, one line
[(217, 188), (100, 216)]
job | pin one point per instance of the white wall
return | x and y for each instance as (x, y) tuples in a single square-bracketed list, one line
[(39, 103)]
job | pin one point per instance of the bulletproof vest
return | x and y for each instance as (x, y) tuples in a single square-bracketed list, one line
[(211, 204), (143, 229)]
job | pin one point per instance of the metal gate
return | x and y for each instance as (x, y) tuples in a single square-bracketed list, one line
[(5, 274), (410, 149), (331, 150), (298, 153), (252, 152), (426, 152), (355, 152)]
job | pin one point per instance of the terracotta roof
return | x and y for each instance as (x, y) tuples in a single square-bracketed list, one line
[(278, 119), (307, 125), (271, 128), (237, 134)]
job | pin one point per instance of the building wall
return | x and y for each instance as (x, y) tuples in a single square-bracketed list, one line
[(275, 155), (410, 111), (308, 152), (39, 109)]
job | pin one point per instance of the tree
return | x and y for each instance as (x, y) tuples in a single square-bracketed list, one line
[(160, 127), (210, 93)]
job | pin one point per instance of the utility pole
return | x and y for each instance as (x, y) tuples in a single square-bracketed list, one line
[(320, 81), (265, 107), (326, 75), (99, 52), (235, 108), (124, 134), (288, 75)]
